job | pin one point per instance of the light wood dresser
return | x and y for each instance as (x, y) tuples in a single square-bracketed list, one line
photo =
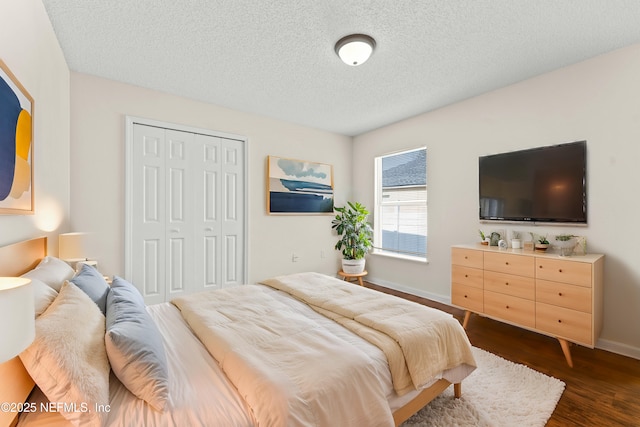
[(546, 293)]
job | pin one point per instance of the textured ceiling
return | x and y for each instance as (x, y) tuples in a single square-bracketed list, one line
[(276, 58)]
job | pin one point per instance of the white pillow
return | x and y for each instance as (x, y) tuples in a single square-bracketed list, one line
[(52, 271), (43, 295), (68, 359)]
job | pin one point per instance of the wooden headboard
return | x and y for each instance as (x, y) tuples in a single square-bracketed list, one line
[(16, 383)]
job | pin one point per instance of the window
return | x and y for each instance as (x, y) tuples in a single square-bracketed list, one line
[(400, 227)]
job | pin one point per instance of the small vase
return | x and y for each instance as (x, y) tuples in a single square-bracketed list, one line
[(542, 246), (566, 246)]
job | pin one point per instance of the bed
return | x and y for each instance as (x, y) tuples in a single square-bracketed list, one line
[(204, 391)]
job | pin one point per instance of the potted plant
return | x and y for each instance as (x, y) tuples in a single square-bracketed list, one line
[(542, 244), (566, 243), (483, 238), (516, 243), (356, 241), (494, 238)]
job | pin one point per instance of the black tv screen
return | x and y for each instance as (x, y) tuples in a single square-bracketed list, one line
[(546, 184)]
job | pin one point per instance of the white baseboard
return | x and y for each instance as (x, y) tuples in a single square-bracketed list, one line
[(612, 346), (619, 348), (411, 291)]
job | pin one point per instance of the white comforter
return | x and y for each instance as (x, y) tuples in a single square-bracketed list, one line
[(288, 367)]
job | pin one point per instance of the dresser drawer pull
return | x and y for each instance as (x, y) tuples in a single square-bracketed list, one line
[(466, 275), (506, 263), (559, 294), (506, 283), (507, 307), (465, 296), (559, 320), (559, 270), (466, 257)]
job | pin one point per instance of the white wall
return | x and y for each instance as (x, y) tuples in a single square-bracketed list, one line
[(30, 49), (598, 101), (98, 110)]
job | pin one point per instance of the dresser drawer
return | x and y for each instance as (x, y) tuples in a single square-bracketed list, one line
[(557, 270), (467, 276), (564, 295), (520, 265), (466, 257), (518, 286), (509, 308), (468, 297), (564, 323)]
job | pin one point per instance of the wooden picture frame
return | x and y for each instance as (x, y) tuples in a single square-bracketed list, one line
[(299, 187), (16, 145)]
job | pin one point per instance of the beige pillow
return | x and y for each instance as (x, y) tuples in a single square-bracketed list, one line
[(68, 359)]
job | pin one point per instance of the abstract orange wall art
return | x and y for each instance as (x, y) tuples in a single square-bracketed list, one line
[(16, 145)]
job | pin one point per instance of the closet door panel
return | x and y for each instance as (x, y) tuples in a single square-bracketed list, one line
[(179, 226), (149, 216), (233, 228), (207, 185)]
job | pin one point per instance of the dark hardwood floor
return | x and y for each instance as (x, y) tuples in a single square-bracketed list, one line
[(602, 389)]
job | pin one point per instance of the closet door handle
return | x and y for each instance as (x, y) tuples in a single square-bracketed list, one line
[(175, 230), (208, 229)]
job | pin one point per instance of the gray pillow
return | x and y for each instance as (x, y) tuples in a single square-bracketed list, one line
[(93, 284), (134, 345)]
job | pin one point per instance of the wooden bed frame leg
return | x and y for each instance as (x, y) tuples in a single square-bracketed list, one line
[(457, 390), (467, 316), (566, 350)]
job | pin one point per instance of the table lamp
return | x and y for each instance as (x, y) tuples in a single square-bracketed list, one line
[(17, 316), (72, 247)]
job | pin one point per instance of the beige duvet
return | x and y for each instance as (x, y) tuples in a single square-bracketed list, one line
[(292, 371), (420, 343)]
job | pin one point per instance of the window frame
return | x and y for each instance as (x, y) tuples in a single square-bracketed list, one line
[(379, 204)]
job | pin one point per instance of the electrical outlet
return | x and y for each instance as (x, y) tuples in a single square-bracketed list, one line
[(294, 258)]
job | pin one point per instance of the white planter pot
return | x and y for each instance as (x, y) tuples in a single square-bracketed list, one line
[(516, 243), (353, 266)]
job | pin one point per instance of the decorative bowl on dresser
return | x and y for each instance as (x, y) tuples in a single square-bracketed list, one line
[(557, 296)]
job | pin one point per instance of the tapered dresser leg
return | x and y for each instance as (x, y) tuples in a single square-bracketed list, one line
[(566, 350), (467, 316)]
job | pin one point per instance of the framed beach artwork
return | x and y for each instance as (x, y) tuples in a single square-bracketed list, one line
[(16, 145), (299, 187)]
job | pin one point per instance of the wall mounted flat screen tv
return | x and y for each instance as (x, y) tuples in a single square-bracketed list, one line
[(546, 184)]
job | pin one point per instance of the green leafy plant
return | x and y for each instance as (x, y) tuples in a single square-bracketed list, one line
[(543, 240), (351, 223), (482, 235), (564, 237)]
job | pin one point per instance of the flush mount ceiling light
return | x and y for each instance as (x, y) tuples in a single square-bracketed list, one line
[(355, 49)]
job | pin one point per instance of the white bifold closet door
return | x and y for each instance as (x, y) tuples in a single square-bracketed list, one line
[(187, 212)]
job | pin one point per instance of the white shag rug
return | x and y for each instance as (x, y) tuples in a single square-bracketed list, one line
[(498, 393)]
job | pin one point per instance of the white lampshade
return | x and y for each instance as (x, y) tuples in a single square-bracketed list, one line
[(355, 49), (17, 316), (72, 246)]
